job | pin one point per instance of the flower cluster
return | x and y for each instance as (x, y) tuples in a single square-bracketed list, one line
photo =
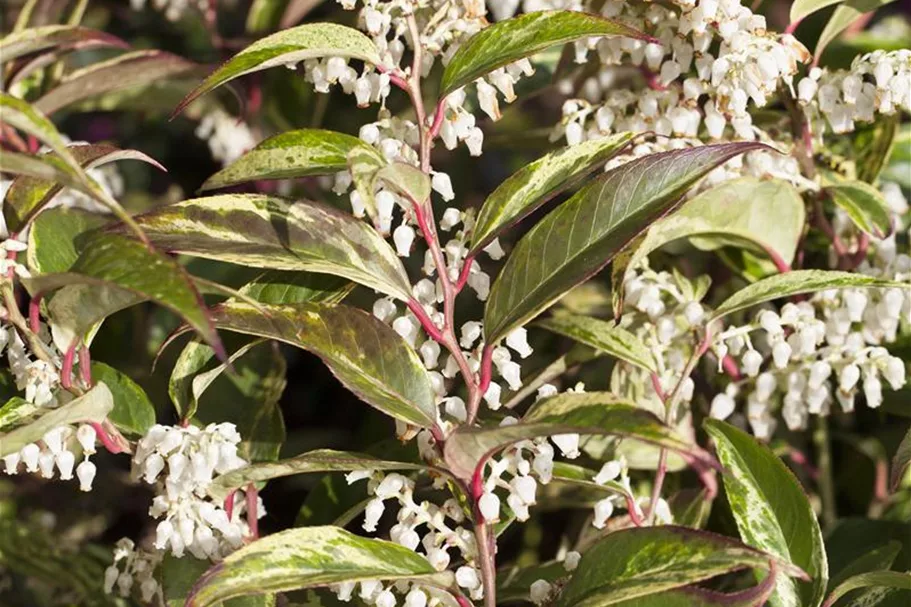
[(228, 137), (54, 454), (132, 568), (173, 9), (181, 463), (878, 82)]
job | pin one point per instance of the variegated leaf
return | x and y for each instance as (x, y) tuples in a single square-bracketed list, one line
[(54, 236), (291, 154), (283, 287), (864, 204), (28, 196), (580, 236), (784, 285), (21, 115), (512, 39), (633, 563), (269, 232), (16, 412), (901, 463), (93, 406), (879, 579), (308, 557), (290, 46), (367, 356), (60, 37), (604, 336), (321, 460), (536, 183), (772, 513), (133, 413), (114, 272), (584, 413), (133, 69)]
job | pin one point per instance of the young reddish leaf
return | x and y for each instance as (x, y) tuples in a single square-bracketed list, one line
[(59, 37)]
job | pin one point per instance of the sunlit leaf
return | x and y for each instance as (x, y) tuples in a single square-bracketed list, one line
[(294, 45), (133, 412), (512, 39), (583, 234), (864, 204), (60, 37), (772, 512), (54, 236), (536, 183), (604, 336), (879, 579), (286, 287)]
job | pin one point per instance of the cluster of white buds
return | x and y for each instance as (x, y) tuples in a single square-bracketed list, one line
[(173, 9), (53, 455), (541, 591), (374, 592), (133, 568), (815, 353), (182, 462), (435, 529), (878, 82), (676, 85), (662, 310), (8, 263), (38, 379), (228, 137)]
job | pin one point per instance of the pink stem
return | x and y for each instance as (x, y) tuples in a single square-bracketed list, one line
[(730, 367), (463, 275), (85, 365), (656, 385), (229, 505), (486, 371), (431, 329), (438, 115), (792, 26), (633, 511), (110, 444), (252, 511), (780, 264), (66, 371), (34, 313)]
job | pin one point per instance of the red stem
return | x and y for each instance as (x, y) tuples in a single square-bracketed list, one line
[(110, 444), (431, 329), (730, 367), (34, 313), (252, 511), (438, 114), (66, 371), (85, 365), (229, 504), (463, 275), (792, 26)]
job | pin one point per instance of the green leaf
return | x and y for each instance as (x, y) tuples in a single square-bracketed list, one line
[(691, 508), (536, 183), (767, 215), (192, 360), (844, 15), (25, 117), (308, 557), (268, 232), (93, 406), (804, 8), (772, 512), (321, 460), (331, 496), (28, 196), (583, 478), (637, 562), (60, 37), (694, 596), (876, 559), (133, 412), (864, 205), (513, 584), (794, 283), (583, 234), (15, 412), (873, 147), (294, 45), (369, 171), (281, 287), (134, 69), (114, 272), (265, 15), (901, 462), (585, 413), (604, 336), (513, 39), (367, 356), (881, 579), (179, 574), (53, 240), (291, 154)]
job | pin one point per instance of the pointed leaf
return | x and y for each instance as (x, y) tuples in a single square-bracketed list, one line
[(65, 37), (804, 8), (28, 196), (900, 463), (695, 596), (134, 69), (585, 413), (795, 283), (610, 339), (113, 272), (876, 559), (864, 204), (367, 356), (772, 512), (321, 460), (291, 154), (536, 183), (512, 39), (281, 287), (632, 563), (583, 234), (308, 557), (844, 15), (178, 575), (290, 46), (199, 354), (879, 579), (28, 118), (766, 215), (133, 412), (268, 232), (93, 406)]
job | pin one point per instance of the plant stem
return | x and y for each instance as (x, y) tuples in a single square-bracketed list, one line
[(826, 482), (486, 549)]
